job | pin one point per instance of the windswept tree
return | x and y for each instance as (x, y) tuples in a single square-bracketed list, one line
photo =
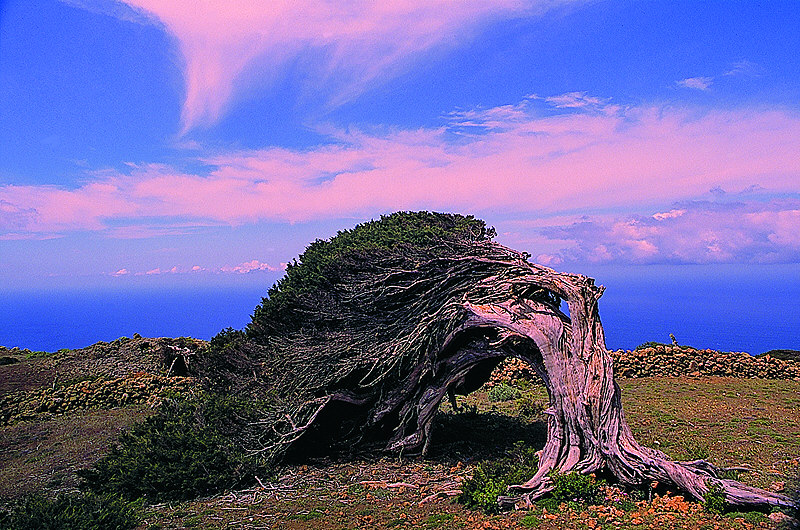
[(367, 332)]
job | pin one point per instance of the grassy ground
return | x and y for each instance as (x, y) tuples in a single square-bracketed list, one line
[(731, 422), (46, 454)]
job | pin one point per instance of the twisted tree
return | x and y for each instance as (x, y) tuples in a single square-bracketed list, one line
[(365, 335)]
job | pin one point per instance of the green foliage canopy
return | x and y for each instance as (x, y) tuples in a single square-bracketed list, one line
[(325, 261)]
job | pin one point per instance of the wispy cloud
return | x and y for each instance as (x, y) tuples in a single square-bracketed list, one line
[(521, 160), (743, 68), (576, 100), (746, 68), (696, 83), (345, 47)]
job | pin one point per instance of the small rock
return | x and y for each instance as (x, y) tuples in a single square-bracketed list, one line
[(778, 517)]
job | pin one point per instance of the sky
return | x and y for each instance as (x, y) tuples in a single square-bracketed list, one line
[(166, 142)]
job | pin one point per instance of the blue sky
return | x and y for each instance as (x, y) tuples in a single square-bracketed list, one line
[(177, 142)]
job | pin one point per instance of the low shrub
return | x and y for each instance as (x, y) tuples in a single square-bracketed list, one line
[(755, 518), (492, 478), (177, 454), (503, 392), (650, 344), (624, 499), (78, 511), (784, 355)]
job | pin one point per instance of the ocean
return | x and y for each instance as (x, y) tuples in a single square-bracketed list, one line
[(732, 309)]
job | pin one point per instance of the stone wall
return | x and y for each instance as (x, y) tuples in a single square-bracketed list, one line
[(672, 361)]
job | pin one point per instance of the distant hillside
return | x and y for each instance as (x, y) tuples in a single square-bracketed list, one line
[(784, 355)]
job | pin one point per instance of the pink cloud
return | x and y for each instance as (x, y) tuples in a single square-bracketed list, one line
[(749, 231), (62, 209), (675, 212), (507, 159), (234, 45)]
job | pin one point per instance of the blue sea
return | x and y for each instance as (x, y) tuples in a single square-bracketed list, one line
[(733, 309)]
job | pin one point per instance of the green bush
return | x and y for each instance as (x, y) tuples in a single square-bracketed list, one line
[(650, 344), (503, 392), (531, 521), (626, 500), (714, 499), (578, 488), (784, 355), (492, 478), (668, 346), (80, 511), (176, 455)]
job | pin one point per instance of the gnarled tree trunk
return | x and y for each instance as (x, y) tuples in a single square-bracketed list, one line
[(587, 431)]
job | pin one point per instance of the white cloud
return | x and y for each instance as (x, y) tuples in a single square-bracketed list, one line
[(696, 83), (242, 268), (576, 100), (508, 158), (250, 266)]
